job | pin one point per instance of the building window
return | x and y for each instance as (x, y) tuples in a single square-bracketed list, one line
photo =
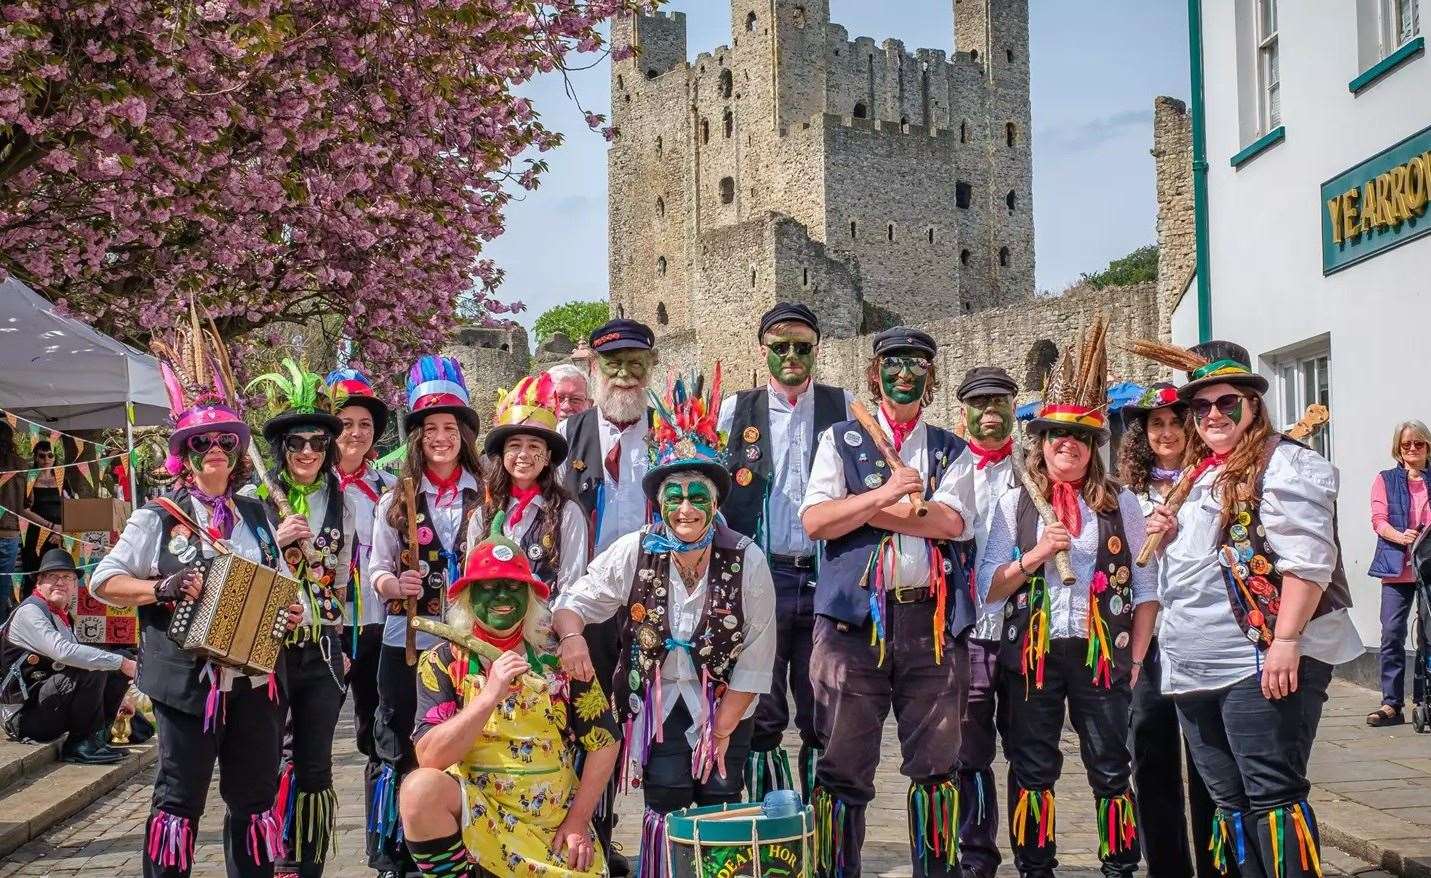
[(651, 73), (750, 23), (727, 190), (726, 83), (963, 195), (1004, 256), (661, 265), (964, 257), (752, 278), (1012, 201), (620, 82), (661, 316), (660, 207), (860, 110), (964, 132), (705, 131), (1269, 77), (852, 230), (1303, 379), (799, 16), (1011, 134), (1009, 55), (728, 121), (931, 234), (1400, 21), (805, 277), (973, 54), (890, 232)]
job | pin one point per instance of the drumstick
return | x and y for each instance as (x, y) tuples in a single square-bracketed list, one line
[(1045, 512), (409, 502), (881, 443), (466, 641)]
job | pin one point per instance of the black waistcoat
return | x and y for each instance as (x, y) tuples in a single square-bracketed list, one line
[(317, 575), (23, 670), (431, 562)]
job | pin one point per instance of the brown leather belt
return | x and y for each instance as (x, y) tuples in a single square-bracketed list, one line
[(911, 595)]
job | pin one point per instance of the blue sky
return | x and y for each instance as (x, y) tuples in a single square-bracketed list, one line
[(1096, 68)]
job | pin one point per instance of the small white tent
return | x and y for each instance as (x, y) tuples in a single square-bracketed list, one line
[(65, 375)]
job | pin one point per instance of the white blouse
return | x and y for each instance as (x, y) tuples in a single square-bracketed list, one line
[(572, 533)]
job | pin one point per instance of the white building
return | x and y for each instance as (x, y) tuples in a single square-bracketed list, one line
[(1317, 132)]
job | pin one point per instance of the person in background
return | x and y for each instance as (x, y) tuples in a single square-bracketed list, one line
[(45, 502), (569, 390), (12, 509), (60, 679), (1399, 510), (1149, 461)]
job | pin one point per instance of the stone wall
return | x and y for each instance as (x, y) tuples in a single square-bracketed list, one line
[(492, 358), (1177, 238)]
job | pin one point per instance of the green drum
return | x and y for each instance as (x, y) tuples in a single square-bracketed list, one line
[(737, 841)]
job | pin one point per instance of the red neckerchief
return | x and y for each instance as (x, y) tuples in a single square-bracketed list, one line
[(619, 425), (446, 486), (509, 642), (359, 479), (1204, 465), (524, 497), (991, 456), (899, 431), (1065, 504), (62, 614)]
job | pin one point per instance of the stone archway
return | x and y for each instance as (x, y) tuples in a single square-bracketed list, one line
[(1038, 364)]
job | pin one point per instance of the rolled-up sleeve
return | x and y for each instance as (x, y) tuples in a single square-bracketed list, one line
[(605, 586), (136, 554), (754, 667), (1299, 497), (999, 547), (956, 490), (1135, 532), (827, 475)]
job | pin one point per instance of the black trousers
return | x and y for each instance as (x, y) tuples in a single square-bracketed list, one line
[(69, 702), (1158, 750), (315, 699), (245, 743), (985, 721), (666, 778), (1100, 717), (794, 640), (363, 692), (393, 749), (1252, 752)]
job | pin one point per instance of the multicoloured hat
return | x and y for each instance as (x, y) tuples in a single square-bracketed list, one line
[(497, 558), (1212, 362), (194, 366), (1157, 396), (684, 436), (1076, 394), (359, 391), (435, 386), (527, 409), (303, 400)]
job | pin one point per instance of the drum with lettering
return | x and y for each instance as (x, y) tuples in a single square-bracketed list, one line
[(737, 841)]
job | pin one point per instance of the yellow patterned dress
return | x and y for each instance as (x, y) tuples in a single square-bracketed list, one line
[(519, 777)]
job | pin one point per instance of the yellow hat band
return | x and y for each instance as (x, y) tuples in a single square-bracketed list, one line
[(527, 415)]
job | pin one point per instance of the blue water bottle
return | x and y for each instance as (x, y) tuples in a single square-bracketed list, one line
[(780, 803)]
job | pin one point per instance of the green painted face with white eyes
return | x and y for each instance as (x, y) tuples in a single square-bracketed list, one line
[(688, 504), (903, 377)]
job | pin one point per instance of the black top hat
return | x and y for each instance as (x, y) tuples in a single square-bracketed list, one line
[(1227, 363), (57, 560)]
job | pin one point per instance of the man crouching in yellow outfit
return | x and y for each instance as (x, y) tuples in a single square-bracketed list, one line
[(499, 739)]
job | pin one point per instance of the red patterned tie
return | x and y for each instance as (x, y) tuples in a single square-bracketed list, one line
[(613, 461)]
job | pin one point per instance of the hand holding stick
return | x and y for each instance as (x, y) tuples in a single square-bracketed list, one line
[(1174, 502), (467, 642), (409, 503), (1061, 562), (881, 443)]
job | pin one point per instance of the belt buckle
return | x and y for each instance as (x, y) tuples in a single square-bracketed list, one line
[(805, 562), (900, 592)]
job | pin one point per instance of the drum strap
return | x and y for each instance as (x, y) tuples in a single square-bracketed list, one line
[(220, 546)]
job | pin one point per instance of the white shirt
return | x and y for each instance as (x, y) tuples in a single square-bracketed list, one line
[(317, 513), (827, 482), (605, 588), (38, 629), (370, 605), (1202, 645), (623, 508), (792, 447), (571, 562), (386, 556), (990, 483), (1068, 604)]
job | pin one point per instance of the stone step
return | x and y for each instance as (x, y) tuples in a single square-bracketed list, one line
[(19, 761), (55, 790)]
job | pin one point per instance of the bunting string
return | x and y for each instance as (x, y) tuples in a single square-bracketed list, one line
[(35, 428)]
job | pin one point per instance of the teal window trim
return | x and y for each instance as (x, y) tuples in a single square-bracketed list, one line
[(1410, 50), (1260, 145)]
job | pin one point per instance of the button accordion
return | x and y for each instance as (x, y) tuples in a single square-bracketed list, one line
[(240, 618)]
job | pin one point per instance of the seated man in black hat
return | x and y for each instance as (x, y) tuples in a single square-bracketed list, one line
[(58, 681)]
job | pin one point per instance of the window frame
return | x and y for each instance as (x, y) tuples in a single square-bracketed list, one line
[(1393, 31), (1290, 388), (1269, 61)]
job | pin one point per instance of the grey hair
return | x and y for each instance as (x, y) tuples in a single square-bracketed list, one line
[(1416, 427), (564, 371)]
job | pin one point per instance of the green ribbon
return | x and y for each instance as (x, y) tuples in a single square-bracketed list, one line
[(1218, 366), (298, 494)]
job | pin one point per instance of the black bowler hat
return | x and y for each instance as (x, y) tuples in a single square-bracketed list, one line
[(784, 312), (986, 381), (902, 338), (57, 560), (1227, 363), (622, 335)]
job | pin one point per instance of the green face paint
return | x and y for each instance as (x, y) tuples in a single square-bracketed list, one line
[(979, 414), (903, 378), (632, 363), (499, 604), (697, 492), (790, 360), (196, 460)]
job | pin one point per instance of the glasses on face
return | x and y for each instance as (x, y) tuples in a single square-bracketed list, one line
[(1413, 445), (786, 348), (914, 365), (201, 443), (571, 399), (1058, 433), (45, 455), (983, 402), (1227, 404), (295, 444)]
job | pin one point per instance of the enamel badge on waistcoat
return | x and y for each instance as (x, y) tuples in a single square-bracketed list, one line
[(434, 562)]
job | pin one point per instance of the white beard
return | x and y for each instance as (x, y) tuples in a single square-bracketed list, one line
[(620, 404)]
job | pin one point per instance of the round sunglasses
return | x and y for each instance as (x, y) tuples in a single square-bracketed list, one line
[(1228, 404), (786, 348), (200, 443), (295, 444)]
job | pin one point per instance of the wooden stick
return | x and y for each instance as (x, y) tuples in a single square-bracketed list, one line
[(409, 502), (466, 641), (881, 443), (1176, 496), (1061, 563)]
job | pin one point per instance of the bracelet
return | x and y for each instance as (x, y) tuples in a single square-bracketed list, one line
[(562, 639), (1277, 639), (1138, 663), (1020, 560)]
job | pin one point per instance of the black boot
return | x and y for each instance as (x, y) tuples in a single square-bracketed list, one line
[(87, 752)]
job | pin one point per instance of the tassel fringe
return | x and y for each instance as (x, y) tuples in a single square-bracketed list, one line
[(383, 820), (1117, 826), (809, 757), (1227, 831), (763, 764), (832, 828), (308, 825), (1299, 819), (934, 823), (265, 828), (171, 841), (1100, 657), (653, 846), (883, 558), (1036, 638), (1036, 806)]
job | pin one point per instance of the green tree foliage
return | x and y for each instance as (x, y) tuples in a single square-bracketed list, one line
[(1140, 266), (575, 320)]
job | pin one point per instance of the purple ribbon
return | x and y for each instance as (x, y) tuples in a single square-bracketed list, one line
[(221, 515)]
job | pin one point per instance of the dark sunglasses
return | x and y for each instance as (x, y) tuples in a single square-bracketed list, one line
[(785, 348), (1228, 404), (296, 444), (1413, 445), (200, 443), (916, 365), (1058, 433)]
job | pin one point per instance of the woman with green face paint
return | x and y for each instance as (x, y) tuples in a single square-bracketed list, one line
[(696, 607), (499, 732)]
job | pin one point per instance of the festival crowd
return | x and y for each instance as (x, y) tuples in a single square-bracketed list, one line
[(632, 582)]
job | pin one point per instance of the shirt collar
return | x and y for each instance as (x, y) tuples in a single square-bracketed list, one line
[(465, 482), (778, 395)]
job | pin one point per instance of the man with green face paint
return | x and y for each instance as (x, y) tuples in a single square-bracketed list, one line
[(773, 432)]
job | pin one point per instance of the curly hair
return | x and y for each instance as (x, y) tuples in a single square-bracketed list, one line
[(1243, 469), (497, 492), (1099, 491), (1135, 455), (931, 383)]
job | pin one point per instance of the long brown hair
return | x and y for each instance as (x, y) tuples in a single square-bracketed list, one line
[(1243, 468), (1099, 491), (414, 464), (1135, 455), (497, 492)]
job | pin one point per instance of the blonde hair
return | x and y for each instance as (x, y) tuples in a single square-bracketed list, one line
[(1416, 427)]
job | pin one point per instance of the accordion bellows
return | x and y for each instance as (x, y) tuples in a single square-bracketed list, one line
[(239, 618)]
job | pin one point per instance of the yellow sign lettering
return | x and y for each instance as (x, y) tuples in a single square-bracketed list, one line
[(1350, 227), (1334, 214), (1416, 179)]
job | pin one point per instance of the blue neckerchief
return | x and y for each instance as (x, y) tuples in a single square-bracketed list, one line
[(672, 643), (660, 543)]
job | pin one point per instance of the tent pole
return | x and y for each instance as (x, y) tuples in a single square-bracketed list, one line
[(129, 442)]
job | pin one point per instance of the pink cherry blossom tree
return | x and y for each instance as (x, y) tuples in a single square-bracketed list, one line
[(282, 161)]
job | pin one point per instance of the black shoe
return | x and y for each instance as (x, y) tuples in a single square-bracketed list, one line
[(86, 752), (618, 865)]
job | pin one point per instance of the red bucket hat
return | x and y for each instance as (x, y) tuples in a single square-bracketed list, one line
[(497, 558)]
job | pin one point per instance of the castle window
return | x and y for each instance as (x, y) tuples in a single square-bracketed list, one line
[(620, 82), (805, 277), (931, 234), (964, 132), (1011, 200), (1039, 363), (728, 121), (705, 131), (750, 23), (963, 195), (660, 146), (964, 257), (1004, 256), (726, 83), (727, 190), (799, 16), (660, 207), (860, 111), (752, 278), (852, 230), (1011, 132), (890, 232), (661, 316), (1009, 54), (973, 54), (903, 121), (661, 265)]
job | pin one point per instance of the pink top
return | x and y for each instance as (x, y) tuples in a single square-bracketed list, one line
[(1420, 515)]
